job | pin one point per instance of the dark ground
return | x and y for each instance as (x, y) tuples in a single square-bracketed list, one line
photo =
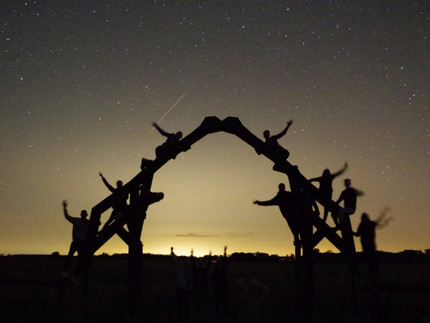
[(259, 292)]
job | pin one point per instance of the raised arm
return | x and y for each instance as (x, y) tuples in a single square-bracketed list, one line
[(110, 187), (381, 220), (283, 132), (66, 214), (161, 131), (340, 172)]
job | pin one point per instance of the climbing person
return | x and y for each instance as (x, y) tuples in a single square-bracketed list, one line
[(119, 204), (349, 198), (272, 142), (284, 199), (326, 188), (170, 143)]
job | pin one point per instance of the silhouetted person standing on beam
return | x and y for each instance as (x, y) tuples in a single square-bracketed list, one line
[(326, 188), (349, 198), (284, 200), (170, 143), (272, 141), (79, 234), (367, 234), (120, 198)]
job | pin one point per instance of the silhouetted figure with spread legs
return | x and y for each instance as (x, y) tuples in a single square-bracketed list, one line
[(220, 284), (120, 198), (367, 234), (349, 198), (326, 188), (285, 201), (183, 285), (272, 141), (79, 234), (170, 143)]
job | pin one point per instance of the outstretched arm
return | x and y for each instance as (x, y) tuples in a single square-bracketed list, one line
[(66, 214), (110, 187), (161, 131), (273, 201), (283, 132), (340, 172), (381, 220)]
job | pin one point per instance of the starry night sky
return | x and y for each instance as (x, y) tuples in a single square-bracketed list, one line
[(81, 82)]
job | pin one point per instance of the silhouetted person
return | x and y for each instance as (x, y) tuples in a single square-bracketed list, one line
[(170, 143), (367, 234), (79, 234), (220, 284), (119, 204), (272, 141), (349, 198), (183, 284), (145, 163), (285, 201), (200, 268), (326, 188)]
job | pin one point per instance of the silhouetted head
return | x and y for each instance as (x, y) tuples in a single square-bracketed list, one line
[(84, 214), (178, 134), (119, 184), (266, 134), (281, 186), (326, 172), (347, 182), (365, 217)]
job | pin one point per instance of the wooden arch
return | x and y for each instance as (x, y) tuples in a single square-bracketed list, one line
[(141, 197)]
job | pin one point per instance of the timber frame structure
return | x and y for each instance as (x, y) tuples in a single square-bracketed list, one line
[(139, 190)]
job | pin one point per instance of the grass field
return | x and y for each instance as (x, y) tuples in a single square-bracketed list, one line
[(258, 292)]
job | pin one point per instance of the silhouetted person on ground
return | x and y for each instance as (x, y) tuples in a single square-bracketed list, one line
[(367, 234), (326, 188), (171, 142), (183, 285), (285, 201), (272, 141), (119, 204), (220, 284), (349, 198), (79, 234), (200, 268)]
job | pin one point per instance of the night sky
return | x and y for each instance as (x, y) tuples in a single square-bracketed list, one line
[(81, 82)]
